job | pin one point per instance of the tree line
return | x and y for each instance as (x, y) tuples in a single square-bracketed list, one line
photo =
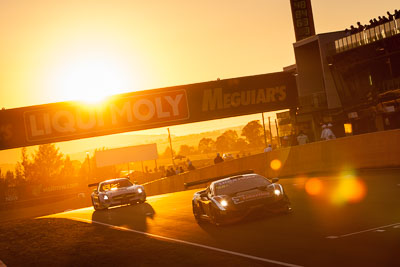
[(251, 137), (47, 166)]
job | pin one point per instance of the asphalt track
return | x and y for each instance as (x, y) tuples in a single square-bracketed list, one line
[(330, 225)]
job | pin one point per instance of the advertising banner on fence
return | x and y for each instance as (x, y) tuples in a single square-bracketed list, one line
[(147, 109)]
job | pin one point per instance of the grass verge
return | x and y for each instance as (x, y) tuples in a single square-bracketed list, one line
[(62, 242)]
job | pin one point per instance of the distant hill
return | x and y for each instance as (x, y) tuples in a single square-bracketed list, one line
[(133, 140), (77, 149)]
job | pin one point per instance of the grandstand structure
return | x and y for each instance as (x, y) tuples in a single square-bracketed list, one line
[(349, 79)]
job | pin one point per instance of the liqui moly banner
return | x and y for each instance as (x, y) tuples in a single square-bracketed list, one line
[(147, 109)]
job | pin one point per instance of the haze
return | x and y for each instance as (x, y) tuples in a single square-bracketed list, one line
[(55, 51)]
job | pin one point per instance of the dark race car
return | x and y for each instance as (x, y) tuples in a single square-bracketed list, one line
[(115, 192), (233, 198)]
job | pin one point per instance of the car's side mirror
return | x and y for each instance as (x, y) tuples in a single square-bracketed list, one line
[(275, 180)]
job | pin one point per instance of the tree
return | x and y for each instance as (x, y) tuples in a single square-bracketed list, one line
[(10, 178), (240, 144), (167, 153), (231, 138), (253, 132), (186, 150), (68, 171), (3, 187), (46, 166), (222, 144), (19, 174), (24, 168), (206, 145)]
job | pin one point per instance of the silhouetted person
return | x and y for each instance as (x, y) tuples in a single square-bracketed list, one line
[(371, 22), (190, 166), (390, 16), (302, 139), (218, 159), (268, 148), (170, 171), (396, 14), (382, 20), (353, 30), (360, 27)]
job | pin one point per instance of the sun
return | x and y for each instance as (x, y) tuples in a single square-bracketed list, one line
[(91, 78)]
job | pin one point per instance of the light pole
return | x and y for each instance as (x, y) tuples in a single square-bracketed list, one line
[(265, 135), (170, 145)]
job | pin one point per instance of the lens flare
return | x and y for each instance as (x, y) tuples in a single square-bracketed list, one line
[(314, 186), (276, 164), (349, 190)]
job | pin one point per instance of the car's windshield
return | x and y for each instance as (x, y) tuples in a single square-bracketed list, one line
[(113, 185), (231, 186)]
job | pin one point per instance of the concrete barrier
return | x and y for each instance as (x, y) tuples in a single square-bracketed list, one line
[(373, 150)]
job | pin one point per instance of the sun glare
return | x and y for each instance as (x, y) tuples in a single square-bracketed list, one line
[(91, 78)]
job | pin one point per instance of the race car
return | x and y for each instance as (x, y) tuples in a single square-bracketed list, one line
[(233, 198), (115, 192)]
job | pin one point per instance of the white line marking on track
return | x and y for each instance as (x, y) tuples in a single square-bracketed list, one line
[(189, 243), (376, 229), (332, 237)]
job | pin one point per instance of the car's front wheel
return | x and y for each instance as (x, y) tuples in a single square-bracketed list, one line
[(215, 217), (287, 207), (196, 213), (142, 198), (96, 206)]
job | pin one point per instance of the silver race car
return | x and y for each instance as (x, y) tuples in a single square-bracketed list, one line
[(116, 192)]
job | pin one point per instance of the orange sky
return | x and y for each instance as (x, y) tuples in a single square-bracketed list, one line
[(57, 50)]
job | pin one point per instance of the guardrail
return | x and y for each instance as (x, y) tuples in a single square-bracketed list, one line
[(373, 150)]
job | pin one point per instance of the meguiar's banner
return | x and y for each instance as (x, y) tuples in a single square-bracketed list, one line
[(147, 109)]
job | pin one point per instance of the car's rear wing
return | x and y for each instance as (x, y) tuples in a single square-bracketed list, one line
[(187, 185), (91, 185)]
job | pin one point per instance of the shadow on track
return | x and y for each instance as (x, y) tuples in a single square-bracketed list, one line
[(133, 216)]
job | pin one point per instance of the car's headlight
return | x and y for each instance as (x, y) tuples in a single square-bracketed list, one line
[(140, 190), (105, 197), (224, 203), (221, 200), (277, 192)]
